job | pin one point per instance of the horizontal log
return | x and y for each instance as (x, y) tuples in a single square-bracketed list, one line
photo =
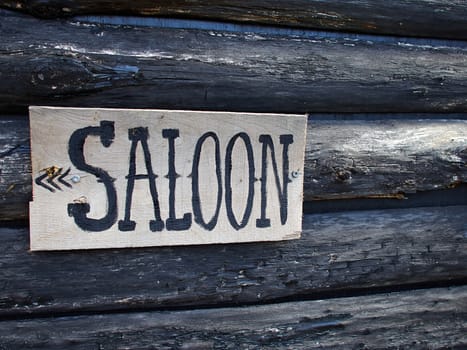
[(89, 65), (429, 18), (383, 159), (349, 159), (422, 319), (15, 168), (344, 251)]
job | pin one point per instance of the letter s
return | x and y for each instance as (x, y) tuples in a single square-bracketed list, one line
[(76, 143)]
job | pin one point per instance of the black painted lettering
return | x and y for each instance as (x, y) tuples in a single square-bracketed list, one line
[(140, 135), (78, 211), (266, 140), (172, 223), (228, 181), (198, 215)]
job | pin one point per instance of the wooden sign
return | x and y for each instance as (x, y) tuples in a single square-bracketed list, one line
[(108, 178)]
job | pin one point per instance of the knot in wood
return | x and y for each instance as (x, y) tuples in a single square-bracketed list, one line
[(343, 175)]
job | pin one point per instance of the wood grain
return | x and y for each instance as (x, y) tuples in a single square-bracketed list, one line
[(344, 159), (421, 319), (383, 159), (337, 252), (399, 17), (15, 168), (88, 65)]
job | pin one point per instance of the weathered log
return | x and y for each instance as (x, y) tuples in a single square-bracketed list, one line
[(341, 251), (73, 64), (15, 168), (399, 17), (386, 159), (343, 160), (422, 319)]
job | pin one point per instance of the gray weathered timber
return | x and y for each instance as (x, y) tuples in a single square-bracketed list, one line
[(342, 251), (89, 65), (15, 168), (421, 319), (343, 160), (429, 18), (385, 159)]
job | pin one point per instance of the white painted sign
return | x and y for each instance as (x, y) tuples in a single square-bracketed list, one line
[(109, 178)]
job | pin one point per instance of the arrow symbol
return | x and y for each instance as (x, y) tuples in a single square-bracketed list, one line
[(61, 180), (51, 173)]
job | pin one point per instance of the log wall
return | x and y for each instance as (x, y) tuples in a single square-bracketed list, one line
[(384, 85), (71, 63)]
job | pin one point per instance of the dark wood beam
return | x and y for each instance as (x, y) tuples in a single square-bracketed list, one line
[(76, 64), (428, 18), (421, 319), (337, 252)]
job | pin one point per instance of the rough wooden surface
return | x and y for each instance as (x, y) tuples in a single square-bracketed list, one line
[(430, 18), (15, 168), (64, 63), (344, 159), (421, 319), (355, 159), (340, 251)]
